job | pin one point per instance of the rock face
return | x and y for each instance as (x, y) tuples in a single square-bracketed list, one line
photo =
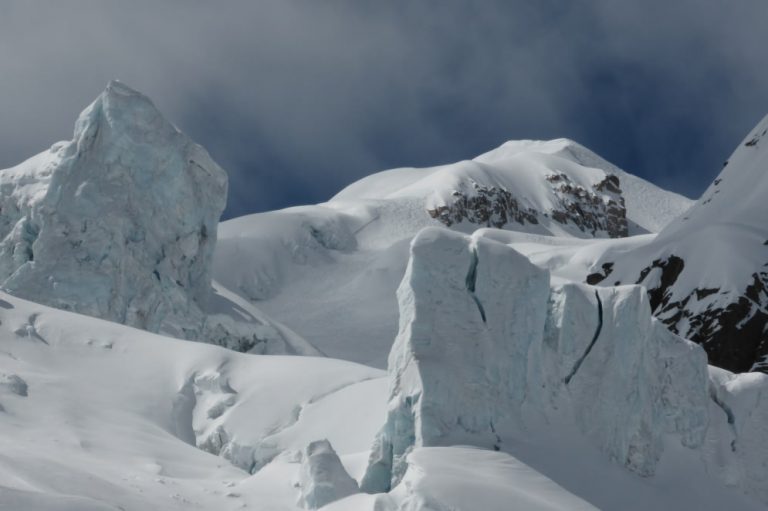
[(323, 477), (706, 271), (120, 223), (593, 211), (486, 345)]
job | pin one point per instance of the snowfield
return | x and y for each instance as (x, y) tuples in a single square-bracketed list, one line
[(111, 417), (481, 335)]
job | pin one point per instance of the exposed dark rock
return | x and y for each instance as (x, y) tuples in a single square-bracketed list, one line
[(599, 210), (670, 270), (490, 206), (596, 278), (703, 293), (717, 325)]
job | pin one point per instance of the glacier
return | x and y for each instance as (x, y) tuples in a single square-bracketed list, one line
[(488, 348), (121, 223), (511, 382)]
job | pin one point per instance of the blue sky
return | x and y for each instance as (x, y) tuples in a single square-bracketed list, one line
[(298, 99)]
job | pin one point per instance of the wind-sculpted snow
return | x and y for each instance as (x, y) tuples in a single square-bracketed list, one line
[(120, 223), (570, 354)]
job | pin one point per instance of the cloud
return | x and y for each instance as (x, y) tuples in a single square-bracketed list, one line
[(297, 99)]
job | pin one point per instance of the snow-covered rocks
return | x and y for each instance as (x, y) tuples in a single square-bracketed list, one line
[(323, 478), (486, 347), (706, 271), (555, 186)]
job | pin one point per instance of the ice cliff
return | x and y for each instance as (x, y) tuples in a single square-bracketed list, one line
[(120, 223), (488, 348)]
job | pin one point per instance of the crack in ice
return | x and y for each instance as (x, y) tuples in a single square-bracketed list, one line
[(581, 359), (471, 281)]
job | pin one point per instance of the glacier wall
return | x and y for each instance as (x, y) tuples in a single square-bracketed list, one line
[(126, 226), (120, 223), (487, 347)]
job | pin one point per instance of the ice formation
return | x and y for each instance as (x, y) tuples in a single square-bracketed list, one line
[(323, 477), (120, 223), (486, 346)]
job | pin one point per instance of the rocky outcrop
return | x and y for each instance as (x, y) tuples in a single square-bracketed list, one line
[(489, 207), (706, 272), (599, 210), (731, 327)]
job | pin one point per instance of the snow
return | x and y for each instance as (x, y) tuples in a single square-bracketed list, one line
[(648, 206), (520, 165), (99, 429), (344, 259), (720, 241), (510, 383), (462, 477)]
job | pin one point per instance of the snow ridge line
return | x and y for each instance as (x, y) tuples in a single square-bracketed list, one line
[(578, 363)]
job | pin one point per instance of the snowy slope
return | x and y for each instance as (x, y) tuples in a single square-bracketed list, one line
[(344, 259), (522, 167), (706, 270), (109, 412), (109, 417)]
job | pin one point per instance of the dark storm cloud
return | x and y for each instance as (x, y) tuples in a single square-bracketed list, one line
[(296, 99)]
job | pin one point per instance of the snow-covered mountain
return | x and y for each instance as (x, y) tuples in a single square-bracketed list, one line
[(344, 258), (510, 382), (706, 271)]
